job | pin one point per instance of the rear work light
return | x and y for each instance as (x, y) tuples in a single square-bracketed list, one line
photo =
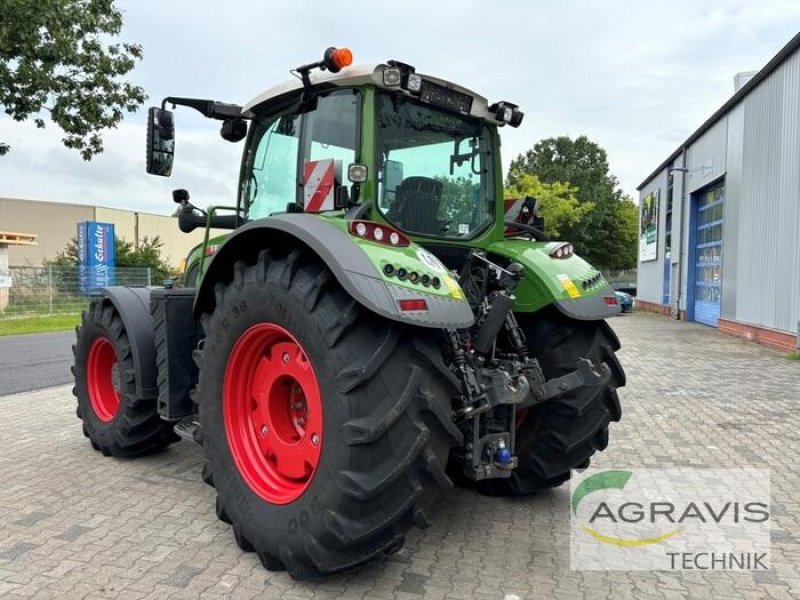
[(564, 250), (376, 232), (610, 300), (413, 304), (505, 112)]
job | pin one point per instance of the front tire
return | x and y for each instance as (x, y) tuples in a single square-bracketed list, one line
[(563, 433), (115, 420), (326, 428)]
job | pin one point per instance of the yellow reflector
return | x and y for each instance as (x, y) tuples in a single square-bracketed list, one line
[(455, 289), (569, 286)]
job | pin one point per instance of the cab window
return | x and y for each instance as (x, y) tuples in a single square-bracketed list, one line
[(272, 181), (330, 142), (323, 142)]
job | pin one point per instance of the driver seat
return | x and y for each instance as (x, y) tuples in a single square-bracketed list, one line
[(418, 200)]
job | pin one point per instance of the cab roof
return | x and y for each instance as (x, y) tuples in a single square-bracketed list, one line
[(357, 75)]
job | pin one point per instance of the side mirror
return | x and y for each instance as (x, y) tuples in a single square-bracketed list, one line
[(160, 141)]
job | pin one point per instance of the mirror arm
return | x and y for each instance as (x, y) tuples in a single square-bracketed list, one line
[(208, 108)]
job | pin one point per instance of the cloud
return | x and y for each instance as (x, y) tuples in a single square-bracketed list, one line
[(636, 77), (38, 167)]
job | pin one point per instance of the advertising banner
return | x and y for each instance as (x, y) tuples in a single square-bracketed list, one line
[(648, 227), (96, 255)]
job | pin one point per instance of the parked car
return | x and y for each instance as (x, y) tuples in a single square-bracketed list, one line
[(625, 301)]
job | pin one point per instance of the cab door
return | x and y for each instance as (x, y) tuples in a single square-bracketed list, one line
[(300, 159)]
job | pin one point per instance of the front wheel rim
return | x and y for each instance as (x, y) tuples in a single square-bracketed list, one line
[(272, 410), (102, 379)]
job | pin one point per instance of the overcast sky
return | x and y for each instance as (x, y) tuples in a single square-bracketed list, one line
[(636, 77)]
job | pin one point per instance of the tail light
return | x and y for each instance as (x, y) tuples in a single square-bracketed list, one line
[(376, 232), (610, 300), (564, 250), (413, 304)]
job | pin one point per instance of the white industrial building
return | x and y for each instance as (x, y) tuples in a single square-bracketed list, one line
[(720, 217)]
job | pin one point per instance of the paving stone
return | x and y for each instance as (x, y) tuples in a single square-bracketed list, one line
[(79, 525), (32, 518), (17, 550)]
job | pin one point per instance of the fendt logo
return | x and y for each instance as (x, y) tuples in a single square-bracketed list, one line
[(676, 519)]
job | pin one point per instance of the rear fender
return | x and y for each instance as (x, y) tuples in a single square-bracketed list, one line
[(572, 285), (133, 306), (357, 265)]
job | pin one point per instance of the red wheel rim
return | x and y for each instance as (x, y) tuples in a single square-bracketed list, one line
[(272, 410), (102, 379)]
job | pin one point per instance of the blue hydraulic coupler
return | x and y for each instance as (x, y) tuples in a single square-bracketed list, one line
[(502, 456)]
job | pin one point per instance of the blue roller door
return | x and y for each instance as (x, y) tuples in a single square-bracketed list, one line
[(708, 256)]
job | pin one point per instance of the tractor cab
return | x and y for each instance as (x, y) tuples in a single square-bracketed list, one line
[(418, 153)]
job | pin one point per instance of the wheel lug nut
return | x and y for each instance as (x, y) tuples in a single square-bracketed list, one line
[(264, 430), (315, 439), (285, 358)]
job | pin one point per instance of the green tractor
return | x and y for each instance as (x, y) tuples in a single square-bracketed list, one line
[(378, 325)]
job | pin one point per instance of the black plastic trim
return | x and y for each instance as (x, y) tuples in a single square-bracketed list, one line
[(133, 306), (590, 308)]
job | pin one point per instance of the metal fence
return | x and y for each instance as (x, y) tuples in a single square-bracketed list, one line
[(51, 290)]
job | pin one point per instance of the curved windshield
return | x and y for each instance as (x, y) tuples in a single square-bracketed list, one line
[(435, 169)]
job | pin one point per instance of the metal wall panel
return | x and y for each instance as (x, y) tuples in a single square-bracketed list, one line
[(706, 158), (731, 224), (787, 299), (767, 290)]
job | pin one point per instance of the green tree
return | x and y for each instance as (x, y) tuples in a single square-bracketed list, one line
[(623, 246), (148, 254), (605, 235), (455, 206), (54, 58), (559, 206)]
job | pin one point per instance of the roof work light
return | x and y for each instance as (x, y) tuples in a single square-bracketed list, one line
[(505, 112)]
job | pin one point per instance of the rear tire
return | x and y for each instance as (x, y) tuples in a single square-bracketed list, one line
[(562, 434), (382, 418), (116, 422)]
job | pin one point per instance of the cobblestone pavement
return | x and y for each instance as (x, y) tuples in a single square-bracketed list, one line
[(75, 524)]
